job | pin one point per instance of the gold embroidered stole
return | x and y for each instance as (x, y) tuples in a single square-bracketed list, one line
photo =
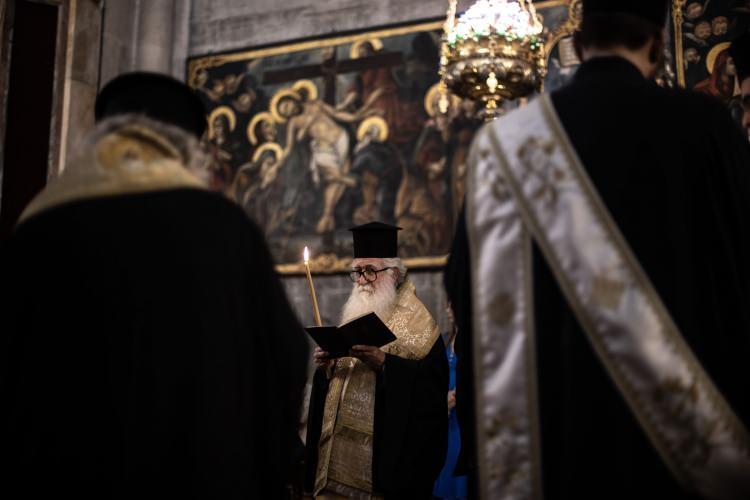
[(345, 447), (526, 181), (131, 159)]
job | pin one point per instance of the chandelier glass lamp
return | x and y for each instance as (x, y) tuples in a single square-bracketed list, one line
[(492, 52)]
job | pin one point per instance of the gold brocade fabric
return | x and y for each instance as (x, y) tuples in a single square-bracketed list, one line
[(345, 447), (131, 159)]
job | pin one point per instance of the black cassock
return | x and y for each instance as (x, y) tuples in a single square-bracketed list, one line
[(148, 351), (674, 171), (410, 436)]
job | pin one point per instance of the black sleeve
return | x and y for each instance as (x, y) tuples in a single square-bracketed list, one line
[(283, 347), (314, 425), (411, 422)]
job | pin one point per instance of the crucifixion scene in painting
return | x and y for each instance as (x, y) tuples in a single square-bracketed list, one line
[(313, 137), (314, 141)]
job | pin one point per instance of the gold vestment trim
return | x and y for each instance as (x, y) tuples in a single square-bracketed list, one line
[(131, 159), (345, 446)]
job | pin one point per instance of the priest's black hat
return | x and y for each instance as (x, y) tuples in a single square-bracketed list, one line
[(159, 97), (375, 240), (654, 11), (740, 52)]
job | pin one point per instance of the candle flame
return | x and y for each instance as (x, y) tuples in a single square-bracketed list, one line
[(307, 255)]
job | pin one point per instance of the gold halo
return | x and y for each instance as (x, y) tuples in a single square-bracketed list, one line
[(429, 99), (377, 44), (225, 111), (377, 121), (265, 116), (268, 146), (312, 89), (274, 105), (714, 53)]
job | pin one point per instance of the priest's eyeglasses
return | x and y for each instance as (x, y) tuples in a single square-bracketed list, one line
[(369, 274)]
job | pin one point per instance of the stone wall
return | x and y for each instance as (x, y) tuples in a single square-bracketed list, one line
[(150, 35), (220, 25)]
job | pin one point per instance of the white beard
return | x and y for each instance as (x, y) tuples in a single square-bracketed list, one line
[(366, 299)]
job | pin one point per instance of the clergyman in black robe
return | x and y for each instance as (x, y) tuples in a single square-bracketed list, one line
[(148, 348), (378, 420), (673, 169)]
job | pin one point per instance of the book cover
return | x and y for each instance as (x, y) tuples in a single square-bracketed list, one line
[(367, 329)]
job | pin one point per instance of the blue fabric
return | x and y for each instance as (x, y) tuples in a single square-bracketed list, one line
[(447, 486)]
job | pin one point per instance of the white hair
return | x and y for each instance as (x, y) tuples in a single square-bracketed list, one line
[(396, 263)]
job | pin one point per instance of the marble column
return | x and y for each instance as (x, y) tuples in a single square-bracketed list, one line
[(81, 75), (148, 35)]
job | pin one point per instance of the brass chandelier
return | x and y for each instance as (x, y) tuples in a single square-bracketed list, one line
[(491, 53)]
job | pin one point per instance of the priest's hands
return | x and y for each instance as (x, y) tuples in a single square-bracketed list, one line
[(451, 400), (373, 357), (321, 359)]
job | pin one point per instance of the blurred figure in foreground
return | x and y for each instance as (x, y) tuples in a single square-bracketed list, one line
[(149, 350)]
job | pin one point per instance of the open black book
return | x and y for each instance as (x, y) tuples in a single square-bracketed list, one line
[(367, 329)]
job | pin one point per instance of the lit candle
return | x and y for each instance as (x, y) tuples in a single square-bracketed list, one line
[(316, 312)]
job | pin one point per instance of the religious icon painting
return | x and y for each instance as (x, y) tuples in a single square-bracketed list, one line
[(315, 136), (703, 30)]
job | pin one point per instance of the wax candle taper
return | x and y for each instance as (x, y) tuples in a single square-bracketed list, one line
[(316, 312)]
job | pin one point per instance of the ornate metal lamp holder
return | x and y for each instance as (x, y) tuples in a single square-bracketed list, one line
[(493, 52)]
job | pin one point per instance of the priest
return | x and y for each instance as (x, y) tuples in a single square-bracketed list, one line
[(378, 421), (148, 348), (601, 283)]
